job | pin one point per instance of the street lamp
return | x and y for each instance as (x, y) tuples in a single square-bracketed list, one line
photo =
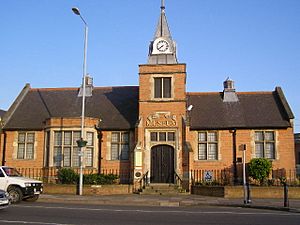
[(81, 143)]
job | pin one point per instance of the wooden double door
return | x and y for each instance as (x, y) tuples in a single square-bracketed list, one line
[(162, 164)]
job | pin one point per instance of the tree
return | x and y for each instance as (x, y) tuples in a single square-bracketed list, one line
[(259, 169)]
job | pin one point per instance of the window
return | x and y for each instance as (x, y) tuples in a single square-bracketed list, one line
[(265, 144), (66, 151), (120, 146), (162, 136), (162, 87), (25, 145), (207, 145)]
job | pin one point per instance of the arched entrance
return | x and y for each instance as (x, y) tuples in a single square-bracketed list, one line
[(162, 164)]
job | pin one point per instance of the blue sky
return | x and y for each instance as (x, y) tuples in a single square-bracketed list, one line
[(254, 42)]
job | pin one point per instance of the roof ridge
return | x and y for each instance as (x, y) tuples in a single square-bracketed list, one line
[(77, 88), (240, 93)]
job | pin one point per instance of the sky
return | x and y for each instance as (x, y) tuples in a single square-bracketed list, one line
[(254, 42)]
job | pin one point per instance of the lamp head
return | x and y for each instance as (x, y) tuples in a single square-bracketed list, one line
[(76, 11)]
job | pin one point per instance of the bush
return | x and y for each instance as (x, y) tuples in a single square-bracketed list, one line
[(259, 169), (67, 176), (99, 179)]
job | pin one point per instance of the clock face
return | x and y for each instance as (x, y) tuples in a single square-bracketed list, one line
[(162, 46)]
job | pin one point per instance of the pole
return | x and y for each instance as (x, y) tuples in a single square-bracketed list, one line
[(244, 175), (83, 108), (286, 194)]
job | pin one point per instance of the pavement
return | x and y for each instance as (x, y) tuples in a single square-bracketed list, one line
[(171, 201)]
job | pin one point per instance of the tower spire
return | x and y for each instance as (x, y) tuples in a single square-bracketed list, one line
[(162, 5), (162, 49)]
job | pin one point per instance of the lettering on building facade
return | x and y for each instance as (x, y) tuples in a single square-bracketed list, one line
[(165, 119)]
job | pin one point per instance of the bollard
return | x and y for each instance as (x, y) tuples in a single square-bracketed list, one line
[(286, 193)]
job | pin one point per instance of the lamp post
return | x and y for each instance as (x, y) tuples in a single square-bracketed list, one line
[(81, 143)]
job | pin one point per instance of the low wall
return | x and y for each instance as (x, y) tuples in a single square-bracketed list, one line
[(238, 191), (88, 190)]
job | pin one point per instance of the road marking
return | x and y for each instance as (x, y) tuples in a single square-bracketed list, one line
[(165, 211), (31, 222)]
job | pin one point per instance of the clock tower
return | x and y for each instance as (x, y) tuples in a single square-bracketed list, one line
[(159, 151), (162, 49)]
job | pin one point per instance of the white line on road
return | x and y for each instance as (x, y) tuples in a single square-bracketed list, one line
[(30, 222), (277, 213)]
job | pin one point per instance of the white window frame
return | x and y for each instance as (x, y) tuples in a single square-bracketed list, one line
[(119, 143), (73, 156), (264, 143), (207, 143), (26, 143)]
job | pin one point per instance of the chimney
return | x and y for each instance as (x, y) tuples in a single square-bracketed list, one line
[(88, 87), (229, 94)]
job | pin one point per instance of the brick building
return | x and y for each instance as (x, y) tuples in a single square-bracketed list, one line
[(156, 129), (297, 152)]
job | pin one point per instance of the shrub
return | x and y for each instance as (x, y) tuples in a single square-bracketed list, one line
[(67, 176), (99, 179), (259, 169)]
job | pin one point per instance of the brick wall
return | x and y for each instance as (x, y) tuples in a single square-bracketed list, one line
[(285, 158)]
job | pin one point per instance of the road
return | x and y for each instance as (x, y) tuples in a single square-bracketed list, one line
[(52, 214)]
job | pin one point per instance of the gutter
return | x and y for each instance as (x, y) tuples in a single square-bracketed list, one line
[(4, 149)]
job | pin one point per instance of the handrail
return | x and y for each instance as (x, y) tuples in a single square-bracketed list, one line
[(178, 180), (144, 181)]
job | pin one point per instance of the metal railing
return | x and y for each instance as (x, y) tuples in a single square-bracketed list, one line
[(144, 181), (226, 177), (178, 180), (49, 174)]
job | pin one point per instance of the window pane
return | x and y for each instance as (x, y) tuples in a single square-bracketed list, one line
[(202, 152), (90, 139), (157, 87), (202, 136), (259, 136), (269, 136), (67, 138), (269, 151), (21, 138), (115, 137), (114, 151), (76, 137), (57, 156), (153, 136), (75, 157), (67, 156), (259, 150), (212, 137), (30, 137), (124, 152), (29, 151), (162, 136), (212, 152), (89, 157), (171, 136), (125, 137), (167, 87), (21, 150), (57, 138)]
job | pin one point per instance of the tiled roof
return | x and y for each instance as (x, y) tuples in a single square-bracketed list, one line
[(2, 112), (116, 106), (253, 110)]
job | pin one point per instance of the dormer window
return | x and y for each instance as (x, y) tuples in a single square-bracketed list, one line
[(162, 87)]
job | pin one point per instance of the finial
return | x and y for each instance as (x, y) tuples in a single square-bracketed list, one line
[(162, 5)]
